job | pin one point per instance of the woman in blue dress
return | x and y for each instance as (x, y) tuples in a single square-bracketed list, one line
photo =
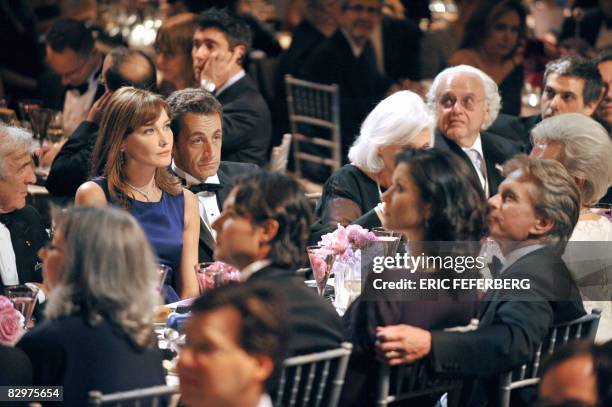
[(133, 152)]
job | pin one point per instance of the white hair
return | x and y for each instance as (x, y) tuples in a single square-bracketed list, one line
[(492, 98), (13, 139), (396, 120), (587, 151)]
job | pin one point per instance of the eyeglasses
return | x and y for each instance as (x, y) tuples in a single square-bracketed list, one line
[(358, 8), (469, 102)]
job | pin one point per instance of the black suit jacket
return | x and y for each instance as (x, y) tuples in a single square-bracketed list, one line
[(401, 43), (361, 86), (512, 325), (227, 171), (496, 150), (27, 236), (514, 129), (314, 324), (71, 166), (247, 127)]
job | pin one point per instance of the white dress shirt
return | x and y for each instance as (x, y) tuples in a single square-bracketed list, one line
[(8, 264), (231, 81), (253, 268), (76, 106), (207, 201)]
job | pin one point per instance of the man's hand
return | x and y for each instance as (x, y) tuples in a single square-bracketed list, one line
[(95, 113), (218, 66), (400, 344)]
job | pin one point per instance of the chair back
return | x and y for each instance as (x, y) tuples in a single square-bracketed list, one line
[(156, 396), (404, 382), (313, 380), (560, 334), (280, 155), (314, 118)]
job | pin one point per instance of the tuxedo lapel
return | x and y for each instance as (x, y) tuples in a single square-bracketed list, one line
[(226, 187), (206, 236), (442, 143), (494, 159)]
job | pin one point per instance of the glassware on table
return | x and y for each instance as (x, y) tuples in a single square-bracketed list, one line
[(210, 275), (26, 106), (55, 129), (390, 240), (162, 272), (23, 298), (321, 261), (40, 119)]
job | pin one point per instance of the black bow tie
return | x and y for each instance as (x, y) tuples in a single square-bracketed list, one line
[(495, 266), (204, 187), (82, 88), (6, 218)]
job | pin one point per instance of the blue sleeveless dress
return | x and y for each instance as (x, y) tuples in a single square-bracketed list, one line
[(163, 223)]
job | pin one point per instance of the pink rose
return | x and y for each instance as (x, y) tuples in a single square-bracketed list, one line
[(11, 322)]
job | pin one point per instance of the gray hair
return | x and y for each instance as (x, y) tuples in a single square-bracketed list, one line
[(555, 195), (492, 98), (13, 139), (108, 273), (587, 151), (396, 120)]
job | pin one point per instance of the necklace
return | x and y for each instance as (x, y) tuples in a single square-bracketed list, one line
[(143, 193)]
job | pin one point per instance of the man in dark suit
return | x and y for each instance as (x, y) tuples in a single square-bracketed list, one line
[(74, 85), (71, 166), (21, 230), (263, 232), (531, 218), (196, 118), (220, 43), (466, 103)]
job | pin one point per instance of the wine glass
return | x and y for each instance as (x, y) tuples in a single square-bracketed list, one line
[(390, 240), (23, 298), (162, 272), (26, 106), (210, 275), (40, 118), (321, 261)]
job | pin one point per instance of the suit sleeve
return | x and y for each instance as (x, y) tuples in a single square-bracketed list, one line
[(241, 123), (47, 355), (70, 167)]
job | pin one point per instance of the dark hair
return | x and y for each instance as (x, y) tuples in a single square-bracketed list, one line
[(450, 187), (120, 72), (190, 100), (603, 57), (601, 355), (235, 29), (263, 196), (578, 67), (485, 15), (263, 313), (73, 34)]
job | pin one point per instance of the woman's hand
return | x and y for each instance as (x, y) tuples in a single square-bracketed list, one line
[(401, 344)]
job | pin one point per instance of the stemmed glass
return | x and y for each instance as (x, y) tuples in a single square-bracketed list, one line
[(23, 298), (389, 239), (321, 261), (40, 119), (162, 272)]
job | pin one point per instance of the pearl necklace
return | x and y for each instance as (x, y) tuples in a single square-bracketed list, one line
[(143, 193)]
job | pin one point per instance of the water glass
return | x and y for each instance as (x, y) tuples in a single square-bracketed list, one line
[(23, 298), (210, 275)]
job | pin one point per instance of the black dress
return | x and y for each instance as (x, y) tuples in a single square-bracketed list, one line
[(347, 195), (68, 352)]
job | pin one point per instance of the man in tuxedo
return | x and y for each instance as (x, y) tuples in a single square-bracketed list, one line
[(531, 218), (571, 85), (235, 338), (348, 59), (71, 166), (74, 85), (220, 44), (196, 118), (263, 232), (21, 231), (466, 102)]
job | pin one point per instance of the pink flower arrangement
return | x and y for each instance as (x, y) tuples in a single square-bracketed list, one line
[(11, 322), (230, 273), (352, 237)]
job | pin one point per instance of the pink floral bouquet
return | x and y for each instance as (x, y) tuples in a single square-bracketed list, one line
[(206, 280), (346, 240), (11, 322)]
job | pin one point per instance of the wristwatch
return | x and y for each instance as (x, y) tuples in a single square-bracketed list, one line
[(208, 85)]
